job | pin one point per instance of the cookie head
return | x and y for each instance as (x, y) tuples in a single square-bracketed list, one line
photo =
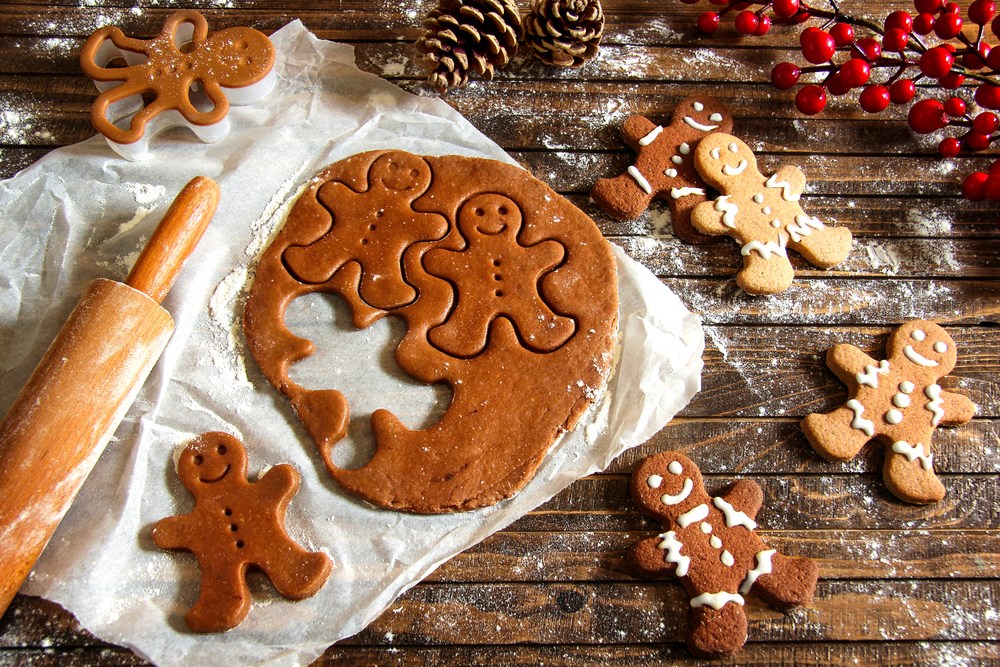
[(211, 460), (725, 160), (401, 172), (667, 485), (489, 215), (247, 56), (704, 114), (926, 345)]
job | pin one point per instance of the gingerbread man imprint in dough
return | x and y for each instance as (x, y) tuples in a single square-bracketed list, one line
[(898, 402), (709, 544), (490, 224), (664, 167), (237, 525), (230, 66), (373, 228), (763, 215)]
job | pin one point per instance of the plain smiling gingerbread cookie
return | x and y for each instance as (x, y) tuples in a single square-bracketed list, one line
[(763, 216), (709, 544), (237, 525), (898, 402), (663, 165)]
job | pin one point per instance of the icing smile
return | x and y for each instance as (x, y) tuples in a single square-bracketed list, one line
[(680, 497), (698, 126), (734, 171), (918, 358)]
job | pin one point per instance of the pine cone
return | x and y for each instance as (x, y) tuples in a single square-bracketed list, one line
[(565, 32), (480, 35)]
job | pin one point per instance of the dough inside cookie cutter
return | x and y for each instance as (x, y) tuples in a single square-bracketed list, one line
[(194, 76)]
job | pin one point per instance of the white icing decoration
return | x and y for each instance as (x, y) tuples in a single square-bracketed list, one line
[(763, 567), (716, 600), (706, 527), (766, 249), (870, 376), (759, 198), (675, 468), (804, 226), (699, 513), (911, 452), (677, 159), (698, 106), (918, 335), (940, 347), (728, 210), (716, 117), (654, 481), (727, 559), (735, 171), (860, 422), (894, 416), (774, 223), (901, 400), (767, 211), (685, 148), (668, 499), (734, 517), (651, 137), (906, 386), (733, 148), (672, 546), (715, 154), (933, 392), (677, 193), (640, 179), (672, 173), (918, 358), (698, 126), (786, 189), (715, 542)]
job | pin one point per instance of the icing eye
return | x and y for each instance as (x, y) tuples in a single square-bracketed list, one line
[(715, 153), (685, 149), (716, 117), (698, 106), (918, 335), (675, 468), (654, 481), (940, 347), (759, 198), (733, 148)]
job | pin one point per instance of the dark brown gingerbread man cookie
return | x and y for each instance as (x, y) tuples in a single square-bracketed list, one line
[(237, 525), (664, 165), (709, 544), (514, 306)]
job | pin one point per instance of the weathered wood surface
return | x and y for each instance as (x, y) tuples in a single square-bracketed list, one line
[(901, 585)]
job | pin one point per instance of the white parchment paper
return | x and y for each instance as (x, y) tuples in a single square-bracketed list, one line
[(81, 213)]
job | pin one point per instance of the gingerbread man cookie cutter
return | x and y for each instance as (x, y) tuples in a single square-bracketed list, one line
[(193, 75), (237, 525), (898, 402), (711, 546)]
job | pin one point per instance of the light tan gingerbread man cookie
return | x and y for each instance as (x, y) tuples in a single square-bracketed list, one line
[(763, 215), (897, 402), (237, 525)]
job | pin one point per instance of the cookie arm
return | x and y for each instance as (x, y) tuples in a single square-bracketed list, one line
[(277, 486), (707, 219), (646, 559), (847, 361), (635, 128), (745, 496), (958, 409), (172, 533)]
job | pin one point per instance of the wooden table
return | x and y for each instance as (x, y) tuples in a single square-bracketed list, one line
[(900, 584)]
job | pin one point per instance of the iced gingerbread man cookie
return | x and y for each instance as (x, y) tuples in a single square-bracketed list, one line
[(664, 165), (709, 544), (237, 525), (762, 214), (898, 402)]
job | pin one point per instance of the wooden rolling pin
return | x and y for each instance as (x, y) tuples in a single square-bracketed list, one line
[(62, 419)]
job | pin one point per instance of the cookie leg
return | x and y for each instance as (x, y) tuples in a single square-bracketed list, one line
[(224, 600), (715, 633), (833, 436), (912, 481), (765, 276), (622, 197), (826, 247), (301, 573), (791, 582)]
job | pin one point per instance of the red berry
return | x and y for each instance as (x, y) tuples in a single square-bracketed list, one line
[(936, 62), (805, 34), (986, 123), (902, 91), (951, 80), (977, 60), (868, 48), (874, 98), (928, 6), (708, 22), (954, 107), (763, 25), (993, 58), (818, 47), (949, 147), (899, 21), (992, 188), (801, 17), (974, 186), (843, 34), (894, 40), (995, 168), (926, 116), (995, 26), (811, 99), (988, 96), (981, 11), (785, 8), (746, 22), (923, 24), (948, 25), (785, 75), (976, 142), (952, 8), (719, 2), (837, 84), (855, 72)]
